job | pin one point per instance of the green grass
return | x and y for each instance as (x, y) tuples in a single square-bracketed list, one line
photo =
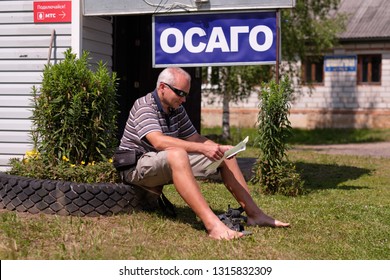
[(312, 137), (345, 214)]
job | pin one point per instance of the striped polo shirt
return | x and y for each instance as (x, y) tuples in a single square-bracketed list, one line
[(147, 116)]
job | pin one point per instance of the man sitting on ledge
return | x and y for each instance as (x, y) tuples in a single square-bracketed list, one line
[(169, 150)]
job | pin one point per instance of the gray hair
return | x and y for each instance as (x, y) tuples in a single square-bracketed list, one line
[(168, 75)]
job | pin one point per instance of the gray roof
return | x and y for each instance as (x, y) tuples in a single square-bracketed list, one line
[(367, 19)]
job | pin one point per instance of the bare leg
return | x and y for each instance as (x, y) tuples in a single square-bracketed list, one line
[(236, 184), (189, 190)]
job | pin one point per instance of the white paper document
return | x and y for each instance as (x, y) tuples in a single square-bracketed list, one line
[(229, 153)]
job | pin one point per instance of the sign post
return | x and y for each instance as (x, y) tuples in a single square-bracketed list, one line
[(52, 12)]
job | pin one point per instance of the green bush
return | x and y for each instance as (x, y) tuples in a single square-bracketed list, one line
[(74, 124), (273, 170), (75, 111)]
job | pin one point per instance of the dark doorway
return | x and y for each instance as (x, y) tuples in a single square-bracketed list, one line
[(133, 64)]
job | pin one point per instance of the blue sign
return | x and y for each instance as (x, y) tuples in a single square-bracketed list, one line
[(340, 63), (240, 38)]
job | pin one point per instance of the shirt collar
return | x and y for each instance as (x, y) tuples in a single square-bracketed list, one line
[(158, 103)]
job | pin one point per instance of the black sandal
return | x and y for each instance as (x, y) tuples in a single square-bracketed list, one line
[(233, 219)]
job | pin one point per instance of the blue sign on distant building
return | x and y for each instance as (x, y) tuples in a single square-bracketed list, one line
[(340, 63), (240, 38)]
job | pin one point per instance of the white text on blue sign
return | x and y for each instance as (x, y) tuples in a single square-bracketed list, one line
[(215, 39)]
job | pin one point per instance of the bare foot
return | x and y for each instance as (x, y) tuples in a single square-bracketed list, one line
[(265, 221), (222, 232)]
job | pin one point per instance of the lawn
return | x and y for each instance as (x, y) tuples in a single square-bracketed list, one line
[(344, 215)]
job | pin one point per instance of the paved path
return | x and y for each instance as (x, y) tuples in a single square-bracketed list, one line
[(379, 149)]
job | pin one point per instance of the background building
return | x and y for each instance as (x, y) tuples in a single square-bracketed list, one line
[(351, 83)]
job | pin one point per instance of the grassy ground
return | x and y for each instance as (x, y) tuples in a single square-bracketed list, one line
[(344, 215), (312, 137)]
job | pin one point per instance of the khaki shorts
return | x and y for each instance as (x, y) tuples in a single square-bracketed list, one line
[(152, 169)]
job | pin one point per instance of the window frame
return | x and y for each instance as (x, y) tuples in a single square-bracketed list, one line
[(360, 71), (315, 64)]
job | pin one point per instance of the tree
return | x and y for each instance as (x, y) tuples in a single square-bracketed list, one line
[(310, 28), (234, 83)]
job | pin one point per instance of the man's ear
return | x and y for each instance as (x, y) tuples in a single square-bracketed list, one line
[(161, 86)]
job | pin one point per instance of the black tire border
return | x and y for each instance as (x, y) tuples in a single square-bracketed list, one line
[(24, 194)]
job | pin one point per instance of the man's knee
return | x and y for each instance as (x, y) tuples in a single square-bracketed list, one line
[(177, 156)]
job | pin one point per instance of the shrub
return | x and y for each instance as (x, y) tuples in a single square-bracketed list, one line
[(75, 111), (74, 124), (273, 170)]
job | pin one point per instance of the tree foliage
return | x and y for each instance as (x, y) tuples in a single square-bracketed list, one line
[(308, 29)]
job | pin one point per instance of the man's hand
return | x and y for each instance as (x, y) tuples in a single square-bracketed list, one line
[(194, 144), (214, 151)]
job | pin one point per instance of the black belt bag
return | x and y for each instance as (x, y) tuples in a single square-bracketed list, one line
[(125, 159)]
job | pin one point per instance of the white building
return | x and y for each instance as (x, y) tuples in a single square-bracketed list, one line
[(351, 84), (25, 50)]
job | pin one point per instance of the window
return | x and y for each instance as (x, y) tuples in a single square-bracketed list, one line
[(369, 69), (313, 71)]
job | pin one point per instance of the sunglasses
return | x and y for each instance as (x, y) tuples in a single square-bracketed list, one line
[(177, 91)]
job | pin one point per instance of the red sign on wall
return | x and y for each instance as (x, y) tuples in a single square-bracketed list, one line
[(52, 11)]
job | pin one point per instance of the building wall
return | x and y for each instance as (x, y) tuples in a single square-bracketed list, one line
[(97, 35), (24, 51), (338, 103), (242, 114), (341, 103)]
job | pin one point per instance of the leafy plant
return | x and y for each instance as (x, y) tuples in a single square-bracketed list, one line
[(74, 124), (273, 170), (74, 111)]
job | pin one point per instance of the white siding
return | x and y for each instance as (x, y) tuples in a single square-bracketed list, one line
[(97, 39), (24, 50)]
